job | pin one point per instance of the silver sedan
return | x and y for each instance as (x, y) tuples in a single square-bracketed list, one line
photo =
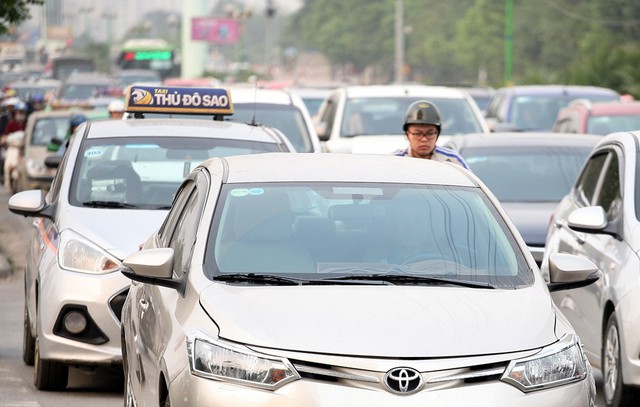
[(599, 220), (342, 280)]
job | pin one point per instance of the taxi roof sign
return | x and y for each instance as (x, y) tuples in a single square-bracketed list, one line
[(184, 100)]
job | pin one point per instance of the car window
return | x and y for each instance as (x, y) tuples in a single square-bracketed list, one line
[(385, 115), (588, 180), (323, 230), (610, 196), (604, 125), (186, 225), (544, 173), (48, 128), (167, 229), (144, 172), (286, 118)]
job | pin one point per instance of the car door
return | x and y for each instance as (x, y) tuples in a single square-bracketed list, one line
[(156, 305), (599, 185)]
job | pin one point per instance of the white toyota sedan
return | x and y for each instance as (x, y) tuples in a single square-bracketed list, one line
[(346, 280), (113, 188)]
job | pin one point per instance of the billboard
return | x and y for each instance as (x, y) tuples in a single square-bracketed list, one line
[(214, 30)]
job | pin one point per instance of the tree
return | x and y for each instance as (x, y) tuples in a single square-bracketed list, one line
[(13, 12)]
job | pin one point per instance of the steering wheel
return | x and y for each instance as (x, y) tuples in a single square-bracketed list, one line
[(422, 257)]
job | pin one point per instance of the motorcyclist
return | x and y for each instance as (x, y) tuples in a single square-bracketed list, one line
[(422, 126)]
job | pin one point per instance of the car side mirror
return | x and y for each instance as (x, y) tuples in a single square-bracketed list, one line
[(567, 271), (52, 161), (152, 266), (592, 219)]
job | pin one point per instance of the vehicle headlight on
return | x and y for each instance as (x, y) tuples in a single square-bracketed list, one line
[(76, 253), (559, 364), (215, 360)]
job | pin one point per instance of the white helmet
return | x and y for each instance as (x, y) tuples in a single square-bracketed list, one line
[(116, 106)]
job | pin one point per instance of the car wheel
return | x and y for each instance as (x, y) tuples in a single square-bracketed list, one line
[(28, 341), (49, 375), (616, 393)]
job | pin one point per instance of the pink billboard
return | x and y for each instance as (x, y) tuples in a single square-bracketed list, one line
[(214, 30)]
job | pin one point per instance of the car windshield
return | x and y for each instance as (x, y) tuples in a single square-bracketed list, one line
[(323, 232), (539, 112), (604, 125), (144, 172), (385, 115), (527, 173), (47, 128)]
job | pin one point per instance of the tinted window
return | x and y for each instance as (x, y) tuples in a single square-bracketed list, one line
[(609, 197)]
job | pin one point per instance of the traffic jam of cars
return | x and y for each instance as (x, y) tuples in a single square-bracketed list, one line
[(221, 245)]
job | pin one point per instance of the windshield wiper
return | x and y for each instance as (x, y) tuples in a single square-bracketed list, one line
[(259, 278), (108, 204), (412, 279)]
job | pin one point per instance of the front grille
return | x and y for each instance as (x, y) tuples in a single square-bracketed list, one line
[(433, 380)]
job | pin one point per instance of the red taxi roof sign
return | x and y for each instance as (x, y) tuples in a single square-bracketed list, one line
[(185, 100)]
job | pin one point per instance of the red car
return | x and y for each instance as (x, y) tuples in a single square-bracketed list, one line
[(583, 116)]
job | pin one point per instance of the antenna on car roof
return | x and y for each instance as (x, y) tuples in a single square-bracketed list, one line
[(255, 98)]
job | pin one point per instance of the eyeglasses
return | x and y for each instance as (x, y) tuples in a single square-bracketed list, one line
[(418, 135)]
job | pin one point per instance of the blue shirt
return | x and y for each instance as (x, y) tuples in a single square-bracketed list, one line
[(439, 154)]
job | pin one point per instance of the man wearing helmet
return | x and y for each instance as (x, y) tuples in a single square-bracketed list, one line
[(422, 127)]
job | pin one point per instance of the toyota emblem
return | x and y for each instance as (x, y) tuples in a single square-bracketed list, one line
[(403, 380)]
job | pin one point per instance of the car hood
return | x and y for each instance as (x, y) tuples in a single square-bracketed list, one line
[(118, 231), (385, 321), (531, 219), (366, 144)]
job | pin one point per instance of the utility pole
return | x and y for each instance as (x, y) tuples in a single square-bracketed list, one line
[(399, 41), (508, 42)]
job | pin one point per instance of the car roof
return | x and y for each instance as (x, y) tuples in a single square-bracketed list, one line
[(243, 95), (556, 90), (519, 139), (410, 90), (335, 167), (614, 108), (182, 128)]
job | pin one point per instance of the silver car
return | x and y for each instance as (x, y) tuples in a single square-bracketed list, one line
[(599, 220), (113, 187), (354, 280)]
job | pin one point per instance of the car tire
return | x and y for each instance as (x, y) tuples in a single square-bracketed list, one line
[(616, 393), (47, 374), (28, 341)]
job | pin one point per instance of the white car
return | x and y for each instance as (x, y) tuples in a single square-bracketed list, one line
[(113, 187), (599, 220), (353, 280), (369, 119)]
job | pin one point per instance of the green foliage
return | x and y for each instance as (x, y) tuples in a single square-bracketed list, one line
[(575, 41), (13, 12)]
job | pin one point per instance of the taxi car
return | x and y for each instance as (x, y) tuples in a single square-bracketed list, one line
[(324, 286), (368, 119), (113, 187), (599, 220)]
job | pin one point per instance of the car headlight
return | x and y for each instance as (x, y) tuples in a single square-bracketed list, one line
[(76, 253), (559, 364), (214, 360)]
